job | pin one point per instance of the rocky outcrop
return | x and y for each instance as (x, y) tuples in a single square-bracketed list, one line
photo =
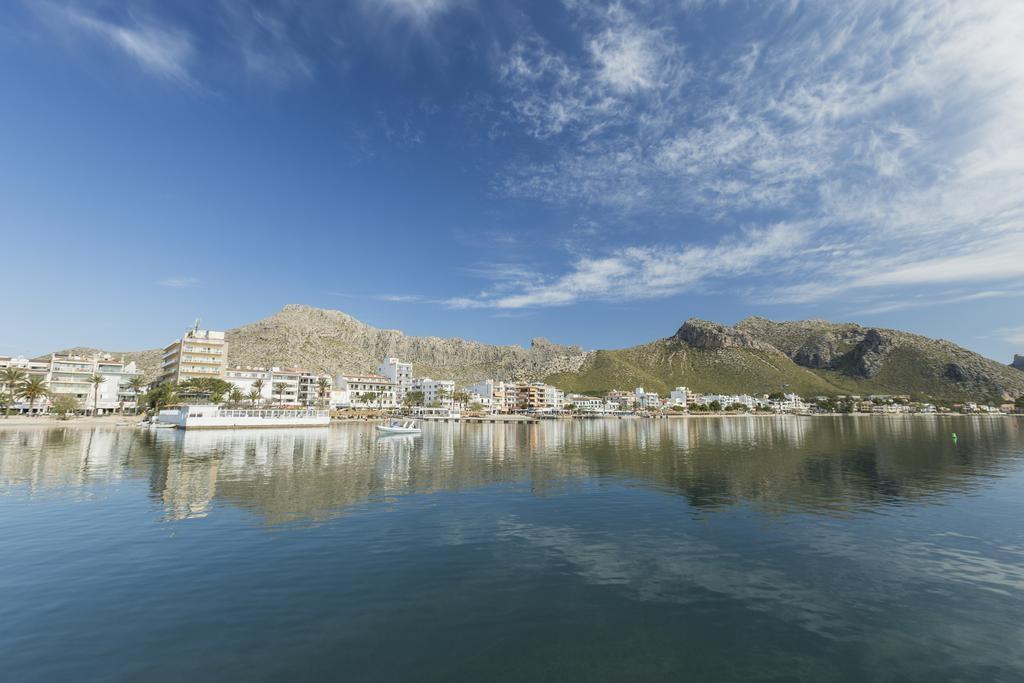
[(959, 373), (702, 334), (1018, 362), (867, 357)]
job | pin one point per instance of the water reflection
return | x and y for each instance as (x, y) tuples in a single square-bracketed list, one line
[(836, 465)]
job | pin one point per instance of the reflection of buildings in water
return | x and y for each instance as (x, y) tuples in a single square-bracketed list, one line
[(63, 457), (286, 475), (190, 483)]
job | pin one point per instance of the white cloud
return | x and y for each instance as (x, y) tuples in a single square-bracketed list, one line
[(180, 282), (890, 131), (638, 273), (264, 42), (419, 13), (161, 50)]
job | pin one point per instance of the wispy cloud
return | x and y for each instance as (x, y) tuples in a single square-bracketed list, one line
[(180, 282), (159, 49), (891, 132), (264, 41), (1013, 335), (639, 273)]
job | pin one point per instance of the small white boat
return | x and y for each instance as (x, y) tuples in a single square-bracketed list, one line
[(399, 427)]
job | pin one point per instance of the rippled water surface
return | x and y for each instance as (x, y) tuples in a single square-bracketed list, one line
[(702, 548)]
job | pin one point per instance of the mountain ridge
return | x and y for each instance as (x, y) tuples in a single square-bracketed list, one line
[(754, 355)]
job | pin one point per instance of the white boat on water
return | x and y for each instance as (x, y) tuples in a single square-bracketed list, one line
[(215, 417), (399, 427)]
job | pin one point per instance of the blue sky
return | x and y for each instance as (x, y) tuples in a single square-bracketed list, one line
[(592, 172)]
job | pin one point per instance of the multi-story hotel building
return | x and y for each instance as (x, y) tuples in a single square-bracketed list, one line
[(199, 353), (72, 376), (282, 386), (436, 392)]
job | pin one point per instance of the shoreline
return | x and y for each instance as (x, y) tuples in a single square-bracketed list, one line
[(48, 422)]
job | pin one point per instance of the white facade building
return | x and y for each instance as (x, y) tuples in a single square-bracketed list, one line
[(436, 392), (71, 376), (365, 391), (726, 400), (199, 353), (790, 403), (680, 396), (587, 404), (279, 386), (400, 374), (647, 400)]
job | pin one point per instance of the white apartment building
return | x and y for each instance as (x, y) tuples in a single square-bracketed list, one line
[(726, 400), (587, 404), (680, 396), (280, 386), (309, 388), (435, 391), (623, 400), (400, 374), (71, 376), (501, 398), (355, 390), (790, 403), (485, 402), (199, 353), (554, 399), (647, 400)]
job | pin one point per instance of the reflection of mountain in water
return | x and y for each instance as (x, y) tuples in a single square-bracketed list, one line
[(286, 475)]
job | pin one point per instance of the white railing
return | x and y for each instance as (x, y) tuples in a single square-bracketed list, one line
[(271, 414)]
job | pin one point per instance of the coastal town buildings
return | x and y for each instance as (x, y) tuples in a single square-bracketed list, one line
[(199, 353), (71, 375)]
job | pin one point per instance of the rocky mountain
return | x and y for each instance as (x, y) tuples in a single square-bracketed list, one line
[(1018, 362), (807, 356), (334, 342), (810, 357)]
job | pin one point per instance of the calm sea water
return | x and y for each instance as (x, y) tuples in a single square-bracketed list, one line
[(704, 549)]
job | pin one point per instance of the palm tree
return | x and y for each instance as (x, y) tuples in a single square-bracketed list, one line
[(321, 388), (96, 380), (253, 395), (279, 389), (258, 388), (5, 402), (135, 384), (12, 377), (235, 396), (34, 388)]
